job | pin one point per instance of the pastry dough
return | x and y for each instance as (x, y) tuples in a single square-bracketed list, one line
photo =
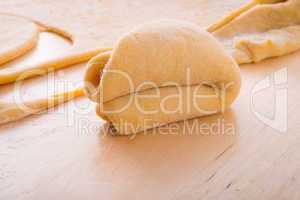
[(262, 32), (158, 57), (259, 30)]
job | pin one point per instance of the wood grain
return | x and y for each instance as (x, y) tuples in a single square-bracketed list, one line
[(66, 154)]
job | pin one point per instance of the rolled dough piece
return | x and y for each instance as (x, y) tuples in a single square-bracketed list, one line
[(18, 36), (151, 65), (263, 32)]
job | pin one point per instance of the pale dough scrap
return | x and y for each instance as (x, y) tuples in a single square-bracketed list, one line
[(18, 36), (161, 53), (10, 112), (263, 32), (236, 13)]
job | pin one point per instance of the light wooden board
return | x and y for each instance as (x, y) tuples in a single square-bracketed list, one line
[(65, 155)]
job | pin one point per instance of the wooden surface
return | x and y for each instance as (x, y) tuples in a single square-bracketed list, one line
[(65, 154)]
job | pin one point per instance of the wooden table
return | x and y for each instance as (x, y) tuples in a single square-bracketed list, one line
[(65, 154)]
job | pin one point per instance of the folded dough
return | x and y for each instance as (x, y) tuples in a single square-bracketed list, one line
[(264, 31), (159, 73)]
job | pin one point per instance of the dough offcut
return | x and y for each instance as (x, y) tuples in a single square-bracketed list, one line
[(18, 36), (264, 31)]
